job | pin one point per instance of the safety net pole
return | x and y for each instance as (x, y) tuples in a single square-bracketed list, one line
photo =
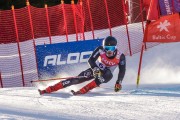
[(17, 40), (48, 25), (107, 14), (127, 30), (81, 3), (32, 32), (74, 16), (90, 16), (64, 16), (1, 80)]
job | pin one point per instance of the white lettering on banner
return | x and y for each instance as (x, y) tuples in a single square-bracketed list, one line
[(83, 54), (51, 59), (161, 37), (59, 62), (71, 58), (170, 37), (75, 55), (167, 6)]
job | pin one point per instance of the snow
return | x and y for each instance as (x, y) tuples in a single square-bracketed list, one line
[(148, 102), (156, 98)]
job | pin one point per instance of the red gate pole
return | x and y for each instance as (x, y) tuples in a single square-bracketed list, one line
[(107, 13), (141, 11), (90, 16), (142, 19), (64, 14), (75, 23), (1, 80), (127, 30), (32, 31), (140, 63), (142, 49), (17, 40), (82, 19), (48, 25)]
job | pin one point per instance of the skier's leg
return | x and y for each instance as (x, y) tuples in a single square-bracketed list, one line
[(53, 88), (83, 76), (86, 88), (106, 76)]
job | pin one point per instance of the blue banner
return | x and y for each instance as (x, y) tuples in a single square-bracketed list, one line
[(54, 59), (167, 7)]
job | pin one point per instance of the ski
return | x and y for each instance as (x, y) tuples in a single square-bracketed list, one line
[(75, 93)]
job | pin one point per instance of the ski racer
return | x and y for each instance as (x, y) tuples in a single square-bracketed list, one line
[(103, 61)]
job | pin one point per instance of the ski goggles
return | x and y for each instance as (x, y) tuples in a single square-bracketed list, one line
[(110, 48)]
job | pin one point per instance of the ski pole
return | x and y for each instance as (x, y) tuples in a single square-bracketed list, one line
[(55, 79)]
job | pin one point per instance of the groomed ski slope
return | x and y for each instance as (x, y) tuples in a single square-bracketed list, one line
[(156, 98), (150, 103)]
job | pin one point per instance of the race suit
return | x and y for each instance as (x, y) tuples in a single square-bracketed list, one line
[(106, 65)]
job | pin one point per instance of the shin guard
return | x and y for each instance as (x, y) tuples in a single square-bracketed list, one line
[(88, 87), (54, 87)]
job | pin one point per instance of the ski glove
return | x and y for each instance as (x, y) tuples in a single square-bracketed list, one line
[(96, 72), (117, 87)]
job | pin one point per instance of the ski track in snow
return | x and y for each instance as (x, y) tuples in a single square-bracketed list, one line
[(129, 104)]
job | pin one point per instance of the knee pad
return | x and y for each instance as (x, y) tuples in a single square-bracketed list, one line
[(107, 75)]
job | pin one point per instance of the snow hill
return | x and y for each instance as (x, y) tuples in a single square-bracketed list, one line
[(156, 98)]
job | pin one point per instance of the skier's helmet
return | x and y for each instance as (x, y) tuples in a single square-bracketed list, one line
[(110, 46)]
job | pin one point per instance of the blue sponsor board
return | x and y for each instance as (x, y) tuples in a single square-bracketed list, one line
[(167, 7), (54, 59)]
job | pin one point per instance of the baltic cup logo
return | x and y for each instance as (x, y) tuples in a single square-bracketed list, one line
[(164, 33), (164, 25)]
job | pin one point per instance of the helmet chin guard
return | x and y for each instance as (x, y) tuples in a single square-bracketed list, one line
[(109, 53)]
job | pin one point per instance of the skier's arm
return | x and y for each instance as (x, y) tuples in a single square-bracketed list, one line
[(122, 68), (94, 56)]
